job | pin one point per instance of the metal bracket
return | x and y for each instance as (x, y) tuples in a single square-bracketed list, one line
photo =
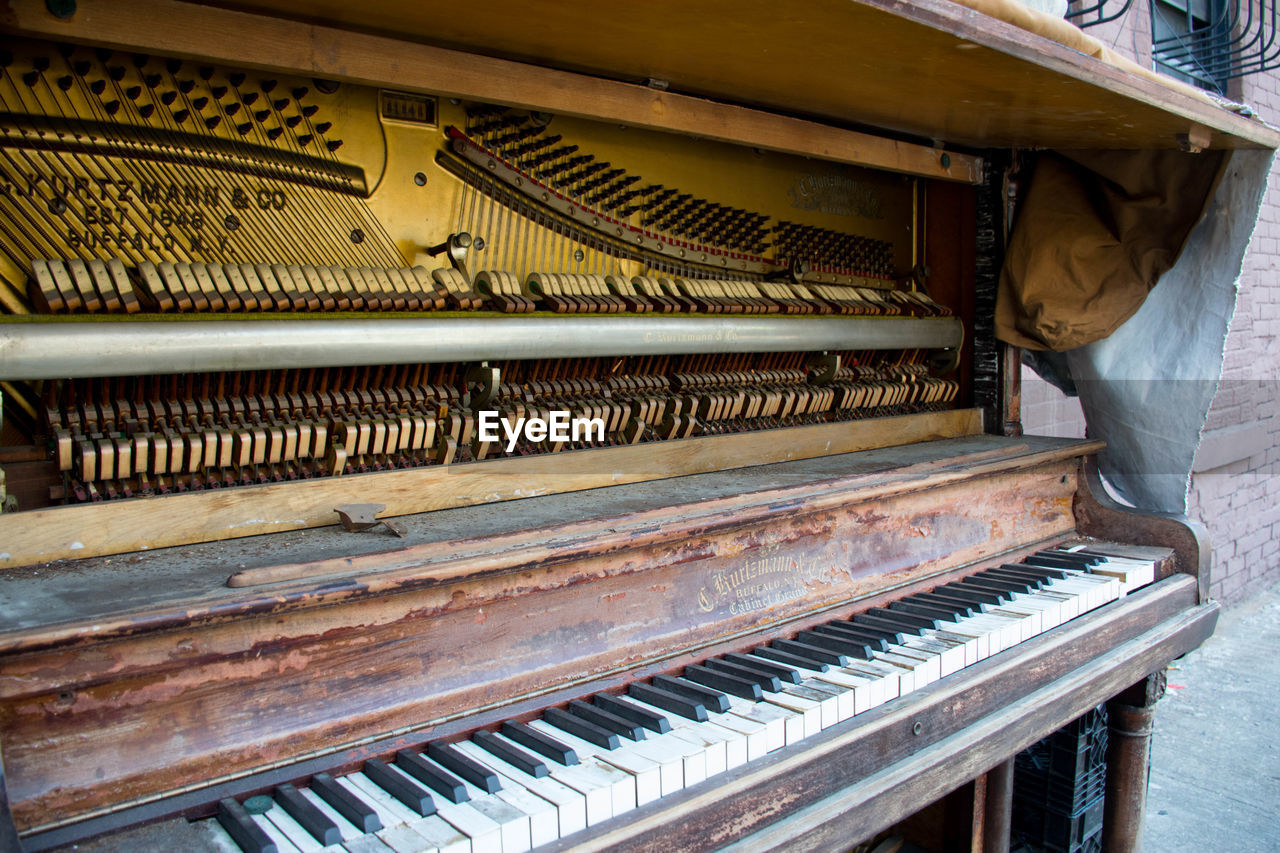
[(823, 368), (456, 248), (486, 379), (357, 518)]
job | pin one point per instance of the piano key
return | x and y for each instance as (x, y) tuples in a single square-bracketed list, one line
[(651, 720), (693, 759), (712, 700), (667, 701), (279, 841), (782, 725), (455, 762), (389, 810), (539, 742), (906, 619), (1042, 572), (918, 608), (807, 652), (874, 640), (1084, 556), (890, 677), (435, 777), (404, 839), (372, 844), (606, 720), (967, 592), (345, 803), (775, 655), (950, 655), (399, 786), (645, 772), (512, 823), (809, 709), (958, 609), (215, 837), (1012, 582), (510, 753), (590, 770), (570, 805), (321, 828), (290, 829), (437, 834), (900, 627), (724, 682), (346, 829), (543, 820), (243, 830), (830, 642), (782, 672), (564, 722), (764, 680)]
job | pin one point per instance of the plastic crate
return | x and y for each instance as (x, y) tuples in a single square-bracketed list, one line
[(1066, 770), (1080, 832)]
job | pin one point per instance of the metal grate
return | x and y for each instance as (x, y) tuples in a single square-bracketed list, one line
[(1090, 13), (1212, 41)]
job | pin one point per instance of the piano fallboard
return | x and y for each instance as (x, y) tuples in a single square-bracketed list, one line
[(478, 614)]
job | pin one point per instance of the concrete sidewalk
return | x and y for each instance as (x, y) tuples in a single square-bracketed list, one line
[(1215, 777)]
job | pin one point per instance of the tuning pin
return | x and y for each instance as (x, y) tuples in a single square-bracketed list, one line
[(111, 107), (293, 121), (40, 63), (98, 86), (231, 108), (152, 80), (249, 98), (200, 103), (80, 67), (185, 86), (305, 140), (140, 59), (280, 103), (181, 116), (333, 144), (323, 127), (173, 66), (64, 83), (167, 98), (274, 133), (262, 115), (212, 122), (218, 92), (133, 92), (31, 78), (116, 72), (268, 86), (309, 110), (236, 79), (146, 110), (300, 92), (205, 72), (243, 129)]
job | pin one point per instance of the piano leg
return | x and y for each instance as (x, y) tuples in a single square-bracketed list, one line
[(1130, 716), (997, 808)]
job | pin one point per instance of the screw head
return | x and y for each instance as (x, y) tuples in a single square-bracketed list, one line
[(420, 179)]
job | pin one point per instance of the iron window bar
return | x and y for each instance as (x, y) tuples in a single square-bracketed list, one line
[(1084, 16), (1241, 40)]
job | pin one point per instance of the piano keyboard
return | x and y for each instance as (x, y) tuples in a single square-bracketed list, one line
[(525, 785)]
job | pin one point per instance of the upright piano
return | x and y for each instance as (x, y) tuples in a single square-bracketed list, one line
[(282, 281)]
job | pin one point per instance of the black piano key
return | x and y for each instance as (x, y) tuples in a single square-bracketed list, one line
[(830, 642), (540, 743), (579, 727), (896, 625), (688, 708), (477, 774), (990, 582), (345, 803), (1036, 581), (415, 798), (1084, 556), (783, 673), (889, 635), (813, 653), (313, 820), (724, 682), (974, 593), (712, 699), (768, 682), (236, 821), (779, 656), (513, 755), (917, 608), (606, 720), (434, 777), (918, 621), (1043, 572), (1053, 562), (651, 720), (960, 608), (875, 640), (947, 611)]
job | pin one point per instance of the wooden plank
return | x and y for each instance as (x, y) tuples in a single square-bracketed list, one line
[(89, 530), (246, 40), (864, 775)]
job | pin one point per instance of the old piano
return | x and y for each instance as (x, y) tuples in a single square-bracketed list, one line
[(264, 265)]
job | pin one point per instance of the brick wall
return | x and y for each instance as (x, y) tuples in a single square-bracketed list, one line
[(1235, 487)]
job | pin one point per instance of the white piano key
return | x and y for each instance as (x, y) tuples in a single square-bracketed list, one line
[(669, 759), (570, 804), (929, 667), (346, 828), (969, 645), (713, 748), (368, 844), (389, 810), (910, 670), (809, 708), (292, 830), (484, 832), (282, 842), (889, 678), (756, 741), (513, 823), (544, 825), (782, 725), (835, 701), (403, 839), (950, 654), (215, 837), (626, 784), (694, 758), (441, 834), (850, 690)]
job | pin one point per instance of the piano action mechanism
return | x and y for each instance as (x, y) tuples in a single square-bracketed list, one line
[(790, 594)]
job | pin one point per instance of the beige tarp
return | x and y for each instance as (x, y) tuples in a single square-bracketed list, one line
[(1093, 235)]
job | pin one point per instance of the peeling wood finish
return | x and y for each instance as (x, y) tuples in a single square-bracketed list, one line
[(192, 703)]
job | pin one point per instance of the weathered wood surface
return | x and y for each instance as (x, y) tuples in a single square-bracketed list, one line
[(864, 775), (163, 700), (119, 527), (1098, 514)]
